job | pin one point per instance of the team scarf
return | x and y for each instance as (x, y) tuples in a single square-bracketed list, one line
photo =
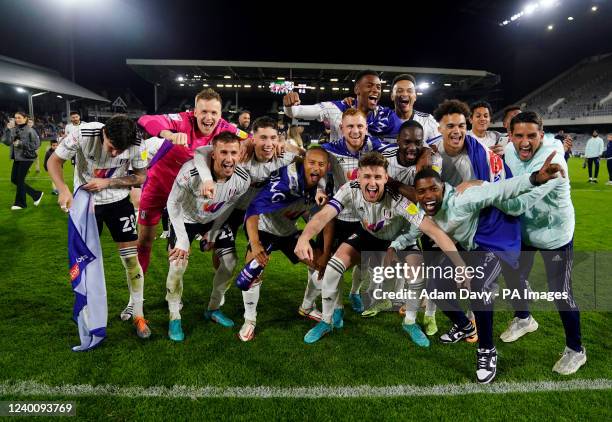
[(90, 311)]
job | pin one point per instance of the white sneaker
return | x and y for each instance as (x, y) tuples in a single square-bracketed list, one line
[(16, 207), (165, 234), (609, 182), (39, 199), (312, 313), (570, 361), (247, 332), (517, 328)]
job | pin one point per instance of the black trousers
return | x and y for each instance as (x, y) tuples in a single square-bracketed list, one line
[(609, 164), (590, 162), (18, 175)]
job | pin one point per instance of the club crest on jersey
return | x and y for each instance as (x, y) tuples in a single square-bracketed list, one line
[(374, 227), (104, 173)]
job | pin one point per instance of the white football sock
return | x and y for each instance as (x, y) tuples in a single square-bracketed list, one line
[(174, 288), (135, 278), (223, 277)]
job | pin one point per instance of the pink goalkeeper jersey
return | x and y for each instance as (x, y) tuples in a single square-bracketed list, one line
[(170, 158), (184, 122)]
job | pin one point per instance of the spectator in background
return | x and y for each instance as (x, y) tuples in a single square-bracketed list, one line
[(75, 123), (244, 121), (608, 156), (509, 112), (294, 136), (53, 144), (24, 143), (594, 149), (36, 161)]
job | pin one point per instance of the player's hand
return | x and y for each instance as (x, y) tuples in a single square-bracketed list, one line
[(320, 198), (96, 184), (390, 257), (466, 283), (207, 189), (247, 149), (567, 143), (549, 170), (497, 149), (178, 256), (291, 99), (321, 263), (280, 148), (64, 200), (259, 253), (463, 186), (349, 101), (303, 250), (424, 160), (179, 138)]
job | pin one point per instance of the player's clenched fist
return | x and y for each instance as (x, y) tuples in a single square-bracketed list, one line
[(291, 99), (303, 249)]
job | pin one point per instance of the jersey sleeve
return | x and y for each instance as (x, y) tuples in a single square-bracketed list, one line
[(139, 160), (342, 198), (179, 191), (431, 133), (68, 147), (406, 239), (409, 211), (155, 123)]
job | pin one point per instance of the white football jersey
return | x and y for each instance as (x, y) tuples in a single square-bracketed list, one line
[(92, 160), (492, 137), (406, 174), (384, 219), (198, 209)]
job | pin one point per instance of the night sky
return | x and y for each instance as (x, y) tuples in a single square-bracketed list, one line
[(459, 34)]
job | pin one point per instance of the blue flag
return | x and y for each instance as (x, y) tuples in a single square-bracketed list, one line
[(497, 232), (90, 310)]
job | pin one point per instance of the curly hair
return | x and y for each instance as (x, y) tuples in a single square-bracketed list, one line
[(451, 107), (121, 131)]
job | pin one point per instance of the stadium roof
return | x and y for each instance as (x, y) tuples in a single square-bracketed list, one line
[(234, 74), (27, 75)]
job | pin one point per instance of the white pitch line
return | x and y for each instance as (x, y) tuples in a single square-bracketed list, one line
[(33, 388)]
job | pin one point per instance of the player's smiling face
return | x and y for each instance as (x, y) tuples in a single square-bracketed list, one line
[(453, 128), (526, 138), (265, 140), (315, 166), (368, 91), (410, 145), (481, 119), (403, 96), (207, 114), (225, 158), (372, 180), (354, 129), (429, 194)]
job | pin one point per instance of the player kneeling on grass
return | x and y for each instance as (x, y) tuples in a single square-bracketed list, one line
[(547, 227), (271, 225), (191, 214), (104, 154), (382, 213)]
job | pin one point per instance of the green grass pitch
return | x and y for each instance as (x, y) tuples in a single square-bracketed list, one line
[(36, 333)]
